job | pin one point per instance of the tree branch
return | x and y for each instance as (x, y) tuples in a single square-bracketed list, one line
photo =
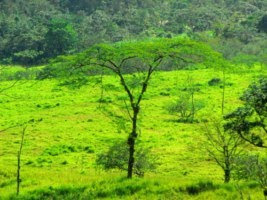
[(244, 138)]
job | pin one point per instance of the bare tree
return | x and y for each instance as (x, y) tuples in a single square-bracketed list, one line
[(223, 147)]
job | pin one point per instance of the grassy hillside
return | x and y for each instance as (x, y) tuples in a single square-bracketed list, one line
[(67, 129)]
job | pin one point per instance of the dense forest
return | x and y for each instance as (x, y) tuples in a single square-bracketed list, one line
[(133, 99), (31, 32)]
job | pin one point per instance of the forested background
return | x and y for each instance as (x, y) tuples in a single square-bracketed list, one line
[(33, 31)]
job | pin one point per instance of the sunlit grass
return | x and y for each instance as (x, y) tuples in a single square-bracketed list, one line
[(58, 116)]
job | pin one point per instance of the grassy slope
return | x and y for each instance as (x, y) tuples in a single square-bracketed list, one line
[(69, 125)]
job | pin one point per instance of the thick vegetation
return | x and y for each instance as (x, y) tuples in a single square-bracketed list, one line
[(33, 31)]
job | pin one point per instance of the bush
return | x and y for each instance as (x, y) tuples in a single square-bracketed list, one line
[(252, 168), (184, 108), (117, 158), (214, 82)]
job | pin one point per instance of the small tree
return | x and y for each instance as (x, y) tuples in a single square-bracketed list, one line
[(222, 147), (249, 121), (185, 107), (192, 89)]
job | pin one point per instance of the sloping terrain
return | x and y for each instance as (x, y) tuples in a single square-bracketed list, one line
[(66, 129)]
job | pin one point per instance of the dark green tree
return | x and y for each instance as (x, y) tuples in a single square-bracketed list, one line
[(60, 38), (249, 121), (262, 26)]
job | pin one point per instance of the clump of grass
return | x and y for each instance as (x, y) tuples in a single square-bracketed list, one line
[(201, 186), (57, 150), (66, 193), (123, 187), (64, 162), (105, 100), (41, 162), (88, 149)]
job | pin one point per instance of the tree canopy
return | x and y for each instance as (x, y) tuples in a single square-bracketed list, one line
[(26, 27), (249, 121)]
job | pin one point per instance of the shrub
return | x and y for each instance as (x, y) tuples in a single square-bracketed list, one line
[(214, 82), (117, 158), (251, 167), (185, 108)]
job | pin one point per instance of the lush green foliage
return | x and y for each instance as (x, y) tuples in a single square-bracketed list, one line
[(60, 38), (252, 115), (236, 28)]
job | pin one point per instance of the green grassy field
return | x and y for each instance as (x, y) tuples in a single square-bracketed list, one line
[(66, 131)]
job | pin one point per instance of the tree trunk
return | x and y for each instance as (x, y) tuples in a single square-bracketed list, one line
[(227, 173), (131, 142), (18, 174)]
